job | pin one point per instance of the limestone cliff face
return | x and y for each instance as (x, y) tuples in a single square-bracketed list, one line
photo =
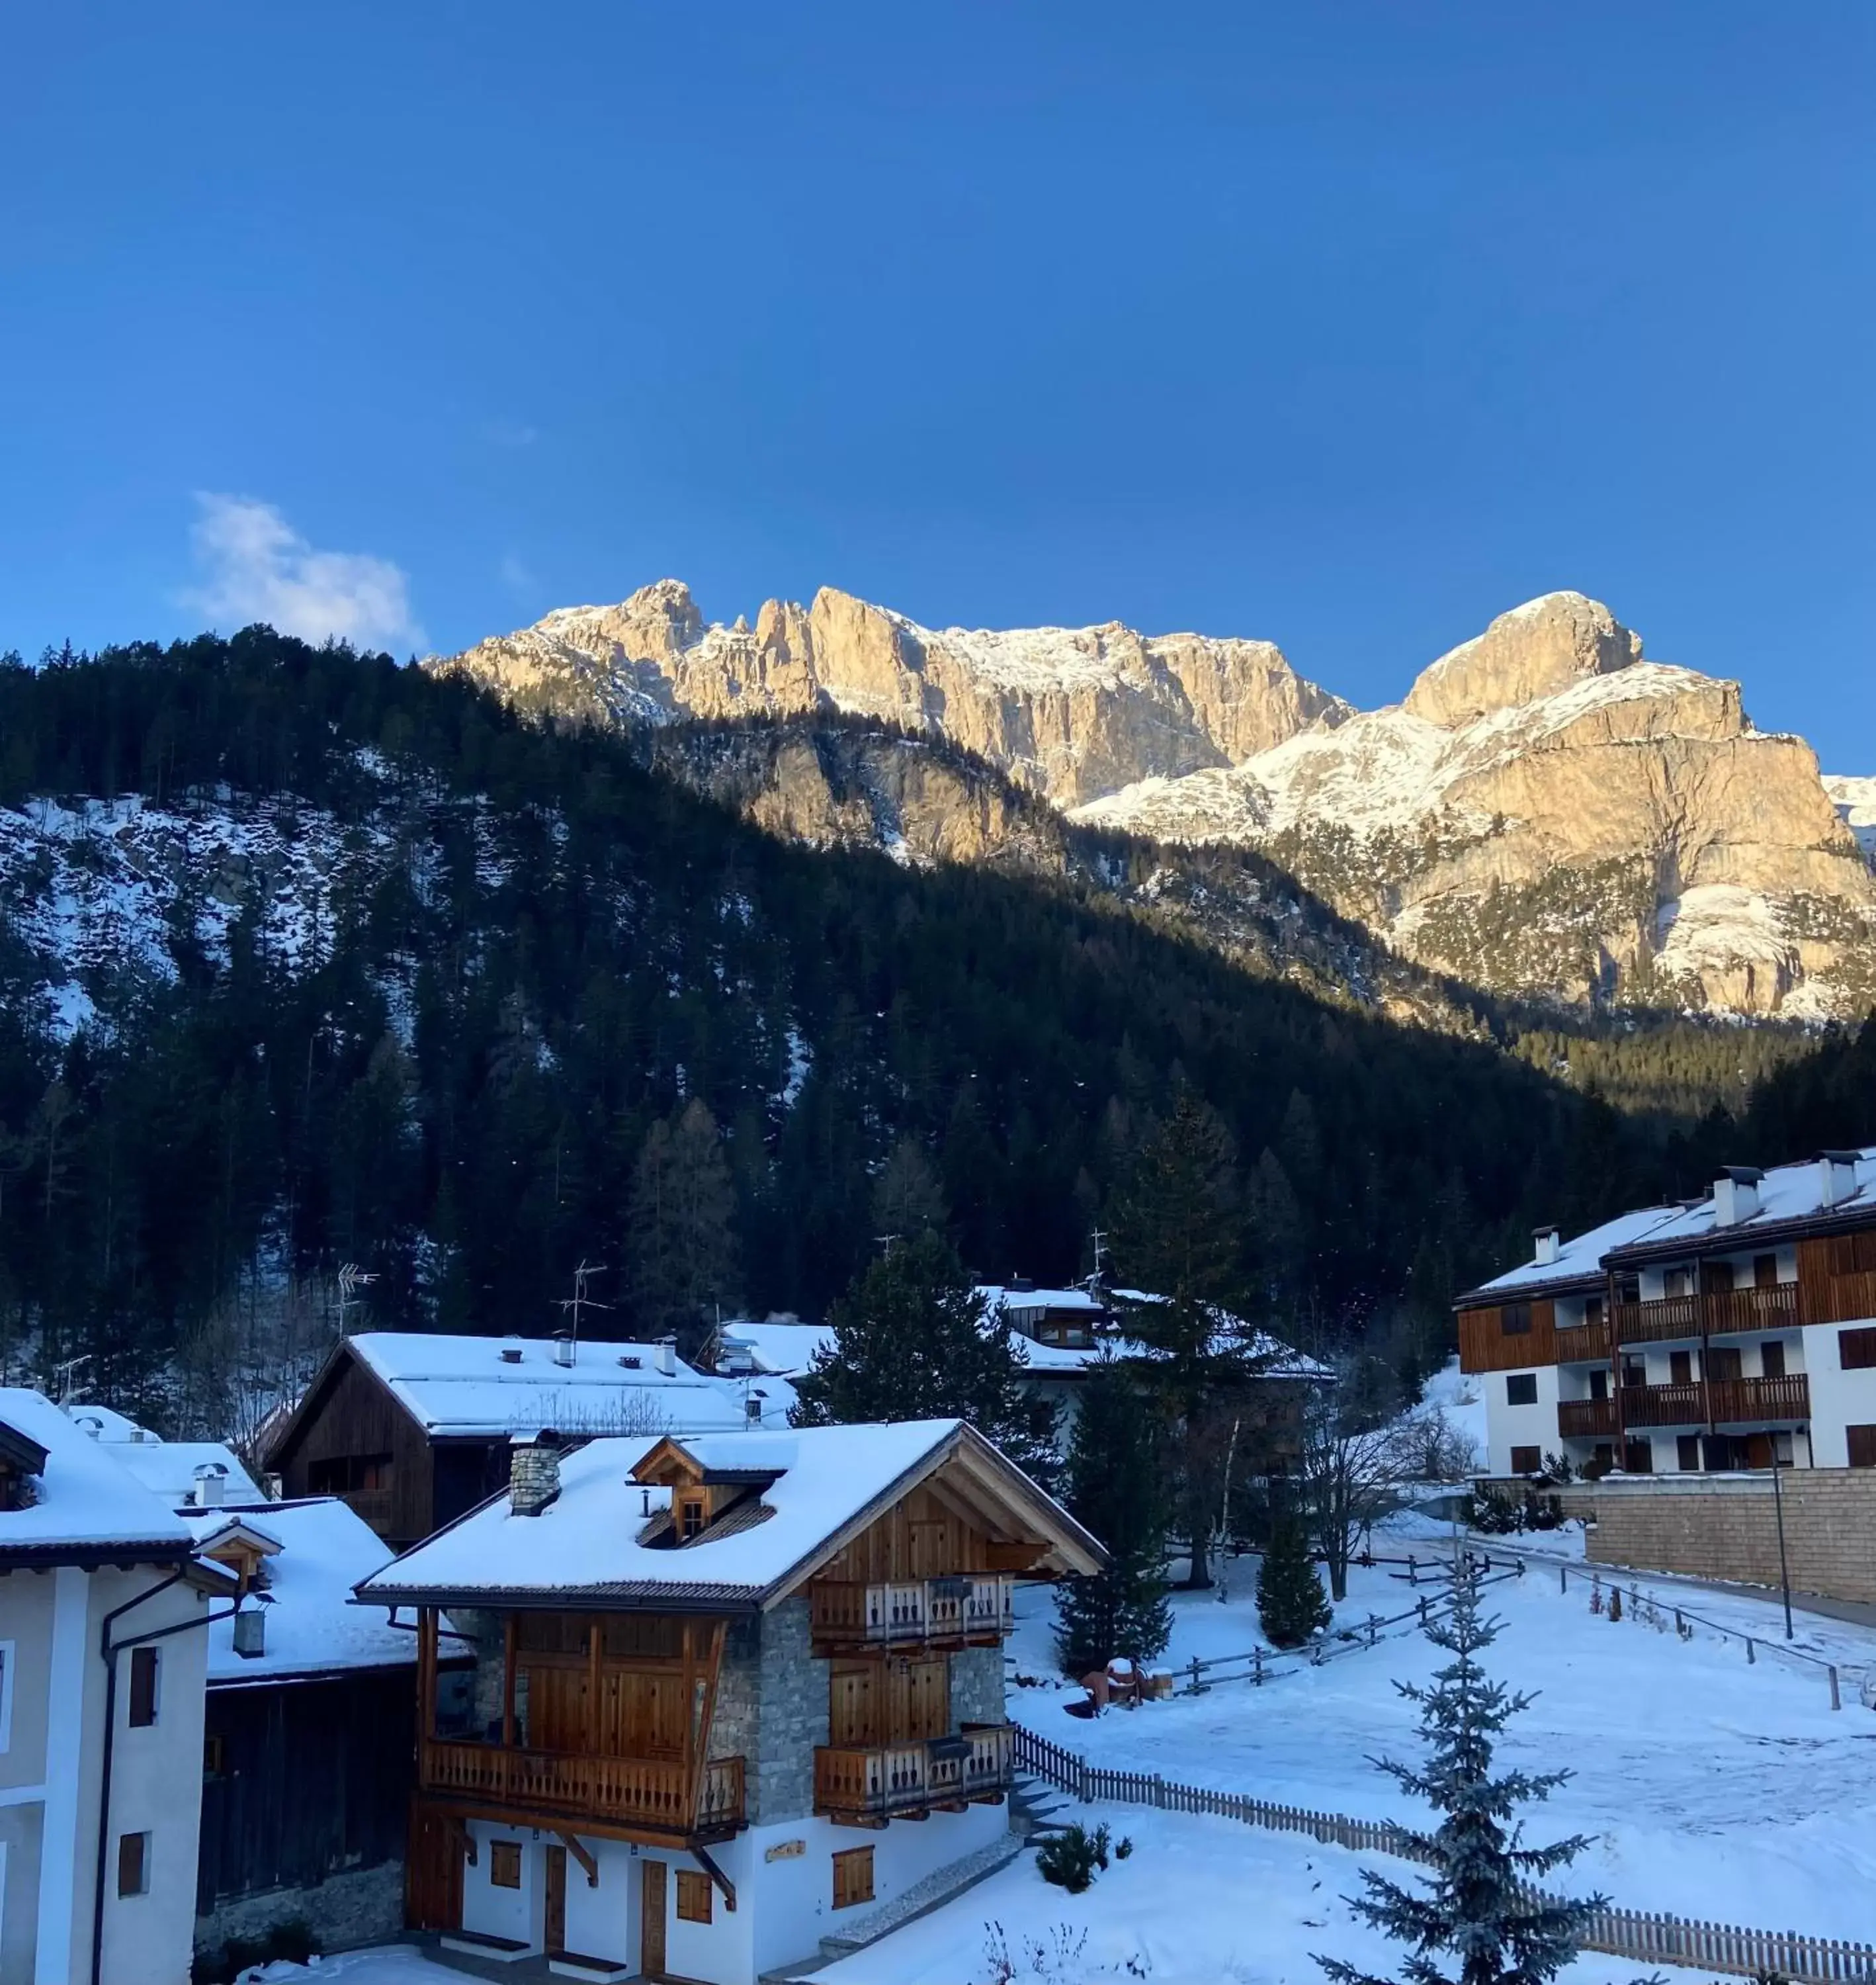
[(1546, 812), (1070, 713)]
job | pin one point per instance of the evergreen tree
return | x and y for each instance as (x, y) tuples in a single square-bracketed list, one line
[(680, 1238), (1179, 1237), (1473, 1905), (911, 1342), (907, 1196), (1291, 1605), (1111, 1486)]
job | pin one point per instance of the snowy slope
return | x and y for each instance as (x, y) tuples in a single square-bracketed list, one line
[(1855, 800)]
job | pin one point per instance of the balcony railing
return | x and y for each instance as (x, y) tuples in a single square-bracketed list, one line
[(1744, 1401), (645, 1791), (1664, 1405), (1585, 1419), (883, 1782), (1583, 1343), (1713, 1312), (970, 1608)]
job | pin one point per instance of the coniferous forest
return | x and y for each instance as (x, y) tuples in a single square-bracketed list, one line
[(545, 1005)]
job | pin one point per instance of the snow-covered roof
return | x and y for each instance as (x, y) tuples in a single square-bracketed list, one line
[(312, 1628), (170, 1467), (779, 1347), (83, 1496), (1275, 1358), (586, 1545), (1579, 1259), (494, 1386), (1785, 1193)]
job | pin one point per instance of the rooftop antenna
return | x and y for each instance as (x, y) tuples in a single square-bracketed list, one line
[(1093, 1284), (579, 1300), (352, 1279), (67, 1391)]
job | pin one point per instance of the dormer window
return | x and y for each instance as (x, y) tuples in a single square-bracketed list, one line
[(690, 1517)]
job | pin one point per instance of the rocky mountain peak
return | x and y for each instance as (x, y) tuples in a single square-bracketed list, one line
[(1533, 651)]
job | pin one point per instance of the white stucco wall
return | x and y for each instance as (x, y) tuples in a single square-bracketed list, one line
[(1839, 1399), (1507, 1426)]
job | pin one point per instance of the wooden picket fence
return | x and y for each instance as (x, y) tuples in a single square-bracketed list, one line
[(1628, 1933)]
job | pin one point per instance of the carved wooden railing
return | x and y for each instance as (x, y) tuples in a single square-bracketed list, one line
[(650, 1792), (881, 1781), (971, 1607)]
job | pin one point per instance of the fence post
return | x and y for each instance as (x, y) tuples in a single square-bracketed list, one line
[(1836, 1700), (1423, 1608), (1195, 1675), (1750, 1656), (1256, 1672), (1563, 1578), (1413, 1570)]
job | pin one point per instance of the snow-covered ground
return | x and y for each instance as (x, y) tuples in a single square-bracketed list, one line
[(1715, 1788)]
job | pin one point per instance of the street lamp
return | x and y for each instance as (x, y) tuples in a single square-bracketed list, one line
[(1778, 1506)]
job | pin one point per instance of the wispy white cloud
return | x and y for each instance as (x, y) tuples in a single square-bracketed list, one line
[(504, 433), (514, 575), (254, 565)]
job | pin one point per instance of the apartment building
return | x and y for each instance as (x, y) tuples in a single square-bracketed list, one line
[(1730, 1333)]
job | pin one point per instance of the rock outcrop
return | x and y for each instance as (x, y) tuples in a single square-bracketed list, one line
[(1546, 812)]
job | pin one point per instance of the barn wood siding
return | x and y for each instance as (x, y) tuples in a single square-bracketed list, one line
[(1484, 1347), (919, 1536), (1828, 1293), (353, 1414)]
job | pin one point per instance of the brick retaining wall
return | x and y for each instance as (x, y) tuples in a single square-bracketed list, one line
[(1725, 1526)]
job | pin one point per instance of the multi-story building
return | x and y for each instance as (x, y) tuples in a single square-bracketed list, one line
[(731, 1693), (104, 1614), (1728, 1332)]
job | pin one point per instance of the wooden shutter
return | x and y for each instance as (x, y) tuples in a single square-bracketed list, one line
[(143, 1696), (854, 1704), (132, 1863), (1862, 1441), (693, 1896), (1856, 1349), (853, 1877)]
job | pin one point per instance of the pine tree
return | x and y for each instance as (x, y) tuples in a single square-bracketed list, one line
[(681, 1237), (1474, 1905), (1111, 1486), (911, 1342), (1291, 1606)]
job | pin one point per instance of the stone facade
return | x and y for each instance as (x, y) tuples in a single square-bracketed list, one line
[(342, 1913), (1725, 1526), (976, 1685), (793, 1719)]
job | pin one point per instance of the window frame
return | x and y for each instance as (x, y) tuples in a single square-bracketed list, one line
[(504, 1862), (850, 1858), (694, 1900), (693, 1518), (1514, 1319), (1535, 1465), (1520, 1378), (1862, 1339), (1862, 1436)]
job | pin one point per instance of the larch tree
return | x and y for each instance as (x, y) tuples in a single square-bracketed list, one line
[(1111, 1486), (1474, 1907)]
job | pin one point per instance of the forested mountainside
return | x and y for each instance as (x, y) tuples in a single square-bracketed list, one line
[(1546, 814), (308, 959)]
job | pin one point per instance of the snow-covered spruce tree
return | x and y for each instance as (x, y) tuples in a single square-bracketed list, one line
[(911, 1342), (1112, 1487), (1290, 1604), (1473, 1905)]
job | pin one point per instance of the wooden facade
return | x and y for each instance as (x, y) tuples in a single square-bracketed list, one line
[(1509, 1337), (353, 1438), (302, 1782)]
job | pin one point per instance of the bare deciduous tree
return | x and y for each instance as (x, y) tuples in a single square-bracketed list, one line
[(1353, 1475)]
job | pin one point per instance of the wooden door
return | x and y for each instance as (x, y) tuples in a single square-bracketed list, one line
[(854, 1704), (555, 1934), (556, 1707), (433, 1872), (651, 1937), (1722, 1361), (921, 1696)]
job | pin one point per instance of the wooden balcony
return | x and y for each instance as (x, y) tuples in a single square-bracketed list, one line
[(978, 1609), (655, 1794), (868, 1786), (1753, 1402), (1584, 1343), (1664, 1405), (1713, 1313), (1586, 1419)]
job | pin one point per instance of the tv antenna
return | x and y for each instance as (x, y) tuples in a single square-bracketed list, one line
[(1093, 1284), (351, 1279), (571, 1306)]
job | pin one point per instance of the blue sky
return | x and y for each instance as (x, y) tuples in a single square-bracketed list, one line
[(1345, 325)]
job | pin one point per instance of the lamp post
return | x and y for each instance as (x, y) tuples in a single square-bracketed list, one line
[(1778, 1506)]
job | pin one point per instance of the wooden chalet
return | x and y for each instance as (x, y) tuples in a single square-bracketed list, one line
[(713, 1676)]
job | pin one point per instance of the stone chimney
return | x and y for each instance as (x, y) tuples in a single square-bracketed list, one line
[(1736, 1195), (250, 1632), (1547, 1245), (533, 1475), (665, 1349), (1837, 1177)]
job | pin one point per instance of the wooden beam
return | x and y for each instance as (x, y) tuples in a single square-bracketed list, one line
[(700, 1764), (586, 1857), (426, 1672), (595, 1632), (717, 1876)]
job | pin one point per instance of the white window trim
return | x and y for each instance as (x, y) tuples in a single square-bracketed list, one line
[(9, 1661)]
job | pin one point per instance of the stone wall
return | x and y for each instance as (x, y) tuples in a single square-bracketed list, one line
[(977, 1686), (792, 1717), (1725, 1526), (363, 1907)]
